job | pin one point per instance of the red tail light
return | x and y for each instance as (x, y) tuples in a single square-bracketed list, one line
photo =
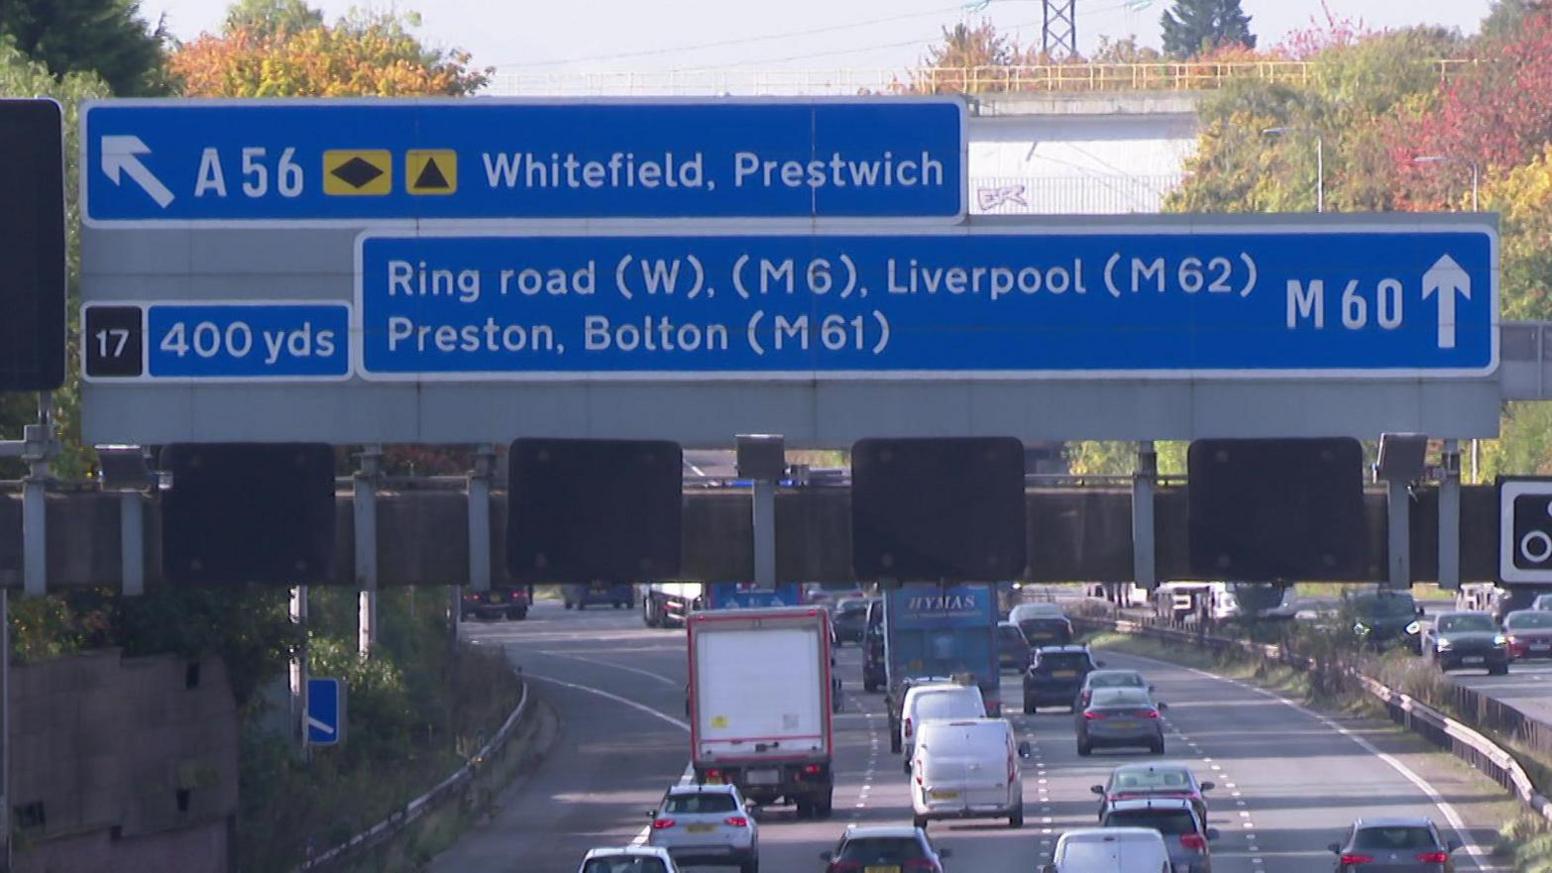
[(713, 774), (1194, 842), (662, 824), (1433, 857), (1149, 713), (1353, 858), (736, 821), (812, 770), (1091, 715)]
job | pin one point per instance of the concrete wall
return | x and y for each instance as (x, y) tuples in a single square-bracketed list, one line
[(123, 764), (1079, 154)]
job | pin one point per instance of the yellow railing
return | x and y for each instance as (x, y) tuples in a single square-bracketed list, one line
[(1040, 78)]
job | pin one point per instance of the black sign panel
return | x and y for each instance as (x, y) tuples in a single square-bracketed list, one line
[(938, 509), (248, 512), (32, 246), (1525, 530), (114, 341), (591, 510), (1277, 510)]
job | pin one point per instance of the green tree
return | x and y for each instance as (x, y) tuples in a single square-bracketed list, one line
[(106, 37), (1118, 458), (271, 17), (1505, 17), (1196, 27)]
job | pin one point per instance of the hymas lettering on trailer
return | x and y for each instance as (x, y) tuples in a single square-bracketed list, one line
[(627, 170), (940, 603)]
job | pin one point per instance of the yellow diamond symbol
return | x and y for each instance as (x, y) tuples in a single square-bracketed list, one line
[(357, 172)]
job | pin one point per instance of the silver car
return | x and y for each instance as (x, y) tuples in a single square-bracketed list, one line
[(1120, 717), (1394, 845), (1185, 835), (706, 824)]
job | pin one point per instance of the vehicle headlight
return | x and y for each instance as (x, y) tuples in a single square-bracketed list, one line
[(1500, 640), (1443, 645), (1413, 628), (1360, 628)]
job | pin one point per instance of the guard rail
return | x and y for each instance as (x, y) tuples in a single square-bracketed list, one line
[(432, 799)]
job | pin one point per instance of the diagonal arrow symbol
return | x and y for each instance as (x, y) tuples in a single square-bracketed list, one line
[(121, 154), (1446, 278)]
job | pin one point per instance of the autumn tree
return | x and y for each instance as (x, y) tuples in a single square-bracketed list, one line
[(1496, 113), (105, 37), (1195, 27), (968, 59), (269, 17), (362, 54)]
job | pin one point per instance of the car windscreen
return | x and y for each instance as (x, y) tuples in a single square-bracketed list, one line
[(1064, 661), (1043, 624), (1465, 622), (1528, 619), (1152, 779), (1169, 822), (852, 608), (872, 851), (1385, 605), (947, 704), (1399, 838), (1116, 680), (691, 804), (624, 864), (1010, 634), (1119, 698)]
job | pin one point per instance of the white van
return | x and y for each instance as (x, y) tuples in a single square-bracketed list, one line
[(940, 700), (967, 768), (1109, 850)]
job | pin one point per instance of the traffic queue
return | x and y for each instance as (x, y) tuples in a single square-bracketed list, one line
[(964, 759)]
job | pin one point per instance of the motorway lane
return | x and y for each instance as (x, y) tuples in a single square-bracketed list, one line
[(1528, 687), (1288, 782)]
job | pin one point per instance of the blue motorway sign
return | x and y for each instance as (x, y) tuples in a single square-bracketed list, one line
[(216, 341), (744, 595), (290, 162), (991, 302), (325, 712)]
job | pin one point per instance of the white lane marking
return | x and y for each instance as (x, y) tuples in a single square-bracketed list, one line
[(1473, 851), (640, 707), (656, 677), (685, 778)]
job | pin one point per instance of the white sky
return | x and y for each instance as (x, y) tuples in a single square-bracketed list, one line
[(594, 35)]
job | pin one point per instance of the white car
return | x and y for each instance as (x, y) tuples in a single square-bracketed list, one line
[(706, 824), (628, 859), (943, 700), (968, 768), (1109, 850)]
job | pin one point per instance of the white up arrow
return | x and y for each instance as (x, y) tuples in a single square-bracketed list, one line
[(120, 154), (1447, 279)]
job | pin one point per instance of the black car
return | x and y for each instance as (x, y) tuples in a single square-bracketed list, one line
[(620, 595), (875, 672), (1012, 648), (1386, 618), (1467, 639), (1055, 675), (499, 602), (1043, 624), (850, 620), (1411, 845)]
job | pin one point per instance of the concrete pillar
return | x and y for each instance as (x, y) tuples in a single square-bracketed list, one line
[(365, 508), (1398, 504), (132, 541), (1449, 518), (764, 520), (1143, 482)]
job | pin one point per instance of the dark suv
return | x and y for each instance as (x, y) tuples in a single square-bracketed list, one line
[(1383, 618), (499, 602), (874, 669), (1055, 675)]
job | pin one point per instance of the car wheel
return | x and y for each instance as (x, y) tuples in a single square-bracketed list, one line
[(568, 604), (823, 807), (894, 743), (1016, 820), (1157, 747), (520, 614), (1498, 670), (906, 766), (920, 821), (750, 866), (1029, 708), (1084, 749), (581, 605)]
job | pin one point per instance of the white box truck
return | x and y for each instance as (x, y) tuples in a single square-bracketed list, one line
[(760, 699)]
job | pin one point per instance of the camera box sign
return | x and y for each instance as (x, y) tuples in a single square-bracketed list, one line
[(1525, 530)]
